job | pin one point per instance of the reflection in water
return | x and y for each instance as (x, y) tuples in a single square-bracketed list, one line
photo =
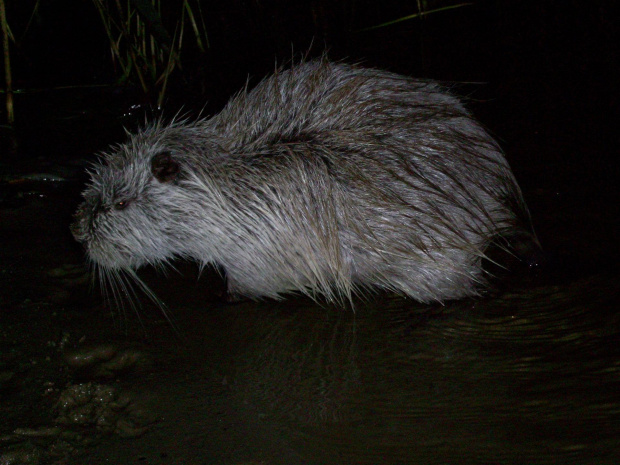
[(304, 373), (527, 377)]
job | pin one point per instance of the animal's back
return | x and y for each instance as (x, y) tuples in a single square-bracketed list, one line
[(374, 180)]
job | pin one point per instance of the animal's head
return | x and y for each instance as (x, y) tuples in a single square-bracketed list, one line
[(130, 207)]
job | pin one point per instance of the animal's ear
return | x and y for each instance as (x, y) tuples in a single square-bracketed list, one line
[(164, 167)]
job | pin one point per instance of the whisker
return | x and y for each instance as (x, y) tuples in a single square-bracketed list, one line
[(153, 298)]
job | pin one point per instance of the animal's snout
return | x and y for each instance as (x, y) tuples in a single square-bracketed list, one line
[(75, 230), (77, 227)]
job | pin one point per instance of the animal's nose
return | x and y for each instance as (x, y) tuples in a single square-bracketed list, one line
[(76, 231)]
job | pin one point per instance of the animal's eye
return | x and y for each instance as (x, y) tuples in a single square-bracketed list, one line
[(121, 205)]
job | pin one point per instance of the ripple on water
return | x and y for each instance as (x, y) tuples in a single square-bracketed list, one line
[(525, 377)]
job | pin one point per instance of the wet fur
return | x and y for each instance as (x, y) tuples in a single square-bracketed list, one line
[(327, 179)]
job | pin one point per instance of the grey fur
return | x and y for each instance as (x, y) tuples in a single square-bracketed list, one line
[(327, 179)]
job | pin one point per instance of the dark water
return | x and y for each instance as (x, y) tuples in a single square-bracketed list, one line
[(531, 376)]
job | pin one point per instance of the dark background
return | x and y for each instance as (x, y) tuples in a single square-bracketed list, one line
[(541, 75)]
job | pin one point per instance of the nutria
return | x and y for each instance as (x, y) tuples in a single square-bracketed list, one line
[(327, 179)]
